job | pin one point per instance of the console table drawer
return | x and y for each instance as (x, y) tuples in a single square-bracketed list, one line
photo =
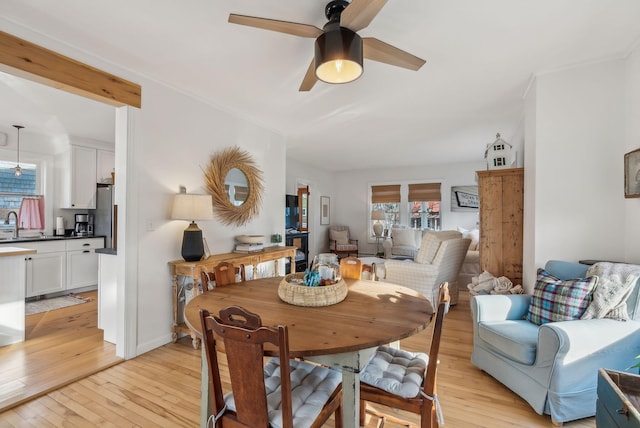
[(618, 400)]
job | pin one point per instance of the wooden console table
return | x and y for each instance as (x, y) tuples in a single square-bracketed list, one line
[(193, 270)]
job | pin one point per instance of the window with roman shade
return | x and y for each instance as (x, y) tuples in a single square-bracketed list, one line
[(424, 205), (386, 198)]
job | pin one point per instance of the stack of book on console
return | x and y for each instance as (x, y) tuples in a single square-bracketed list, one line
[(249, 248)]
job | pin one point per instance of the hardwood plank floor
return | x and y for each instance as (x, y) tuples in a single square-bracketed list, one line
[(161, 388), (62, 346)]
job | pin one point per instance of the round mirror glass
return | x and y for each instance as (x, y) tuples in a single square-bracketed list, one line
[(237, 186)]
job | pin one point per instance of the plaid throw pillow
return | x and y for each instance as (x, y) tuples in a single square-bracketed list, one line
[(559, 300)]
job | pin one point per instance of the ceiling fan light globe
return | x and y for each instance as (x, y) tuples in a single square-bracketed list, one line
[(338, 56)]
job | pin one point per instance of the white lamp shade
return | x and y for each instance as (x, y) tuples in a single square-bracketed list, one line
[(378, 215), (192, 207)]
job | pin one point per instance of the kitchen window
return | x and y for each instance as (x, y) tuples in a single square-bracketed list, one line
[(16, 191)]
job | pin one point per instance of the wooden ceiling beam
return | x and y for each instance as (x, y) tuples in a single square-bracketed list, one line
[(32, 62)]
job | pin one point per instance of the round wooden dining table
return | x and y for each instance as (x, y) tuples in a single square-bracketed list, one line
[(343, 336)]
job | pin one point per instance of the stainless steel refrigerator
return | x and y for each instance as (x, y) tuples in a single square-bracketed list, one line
[(103, 215)]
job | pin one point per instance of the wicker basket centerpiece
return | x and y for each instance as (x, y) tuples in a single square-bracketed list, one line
[(293, 290)]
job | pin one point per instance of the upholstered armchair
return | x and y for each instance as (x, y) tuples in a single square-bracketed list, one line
[(340, 242), (403, 242), (553, 366), (438, 260)]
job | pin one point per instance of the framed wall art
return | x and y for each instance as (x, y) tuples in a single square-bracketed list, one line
[(464, 198), (325, 210), (632, 174)]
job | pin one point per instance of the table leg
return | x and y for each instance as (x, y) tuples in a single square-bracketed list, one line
[(205, 394), (350, 364)]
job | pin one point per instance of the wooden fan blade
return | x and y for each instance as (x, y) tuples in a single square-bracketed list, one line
[(293, 28), (310, 78), (360, 13), (380, 51)]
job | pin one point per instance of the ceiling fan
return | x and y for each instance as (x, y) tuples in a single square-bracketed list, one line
[(339, 50)]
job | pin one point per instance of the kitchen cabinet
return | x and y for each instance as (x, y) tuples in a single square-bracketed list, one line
[(60, 265), (82, 262), (45, 269), (105, 165), (12, 294), (76, 177)]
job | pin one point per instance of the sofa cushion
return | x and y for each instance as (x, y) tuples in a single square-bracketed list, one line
[(514, 339), (404, 238), (555, 299), (616, 281), (340, 236)]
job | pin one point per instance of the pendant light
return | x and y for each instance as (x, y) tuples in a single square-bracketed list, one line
[(18, 170)]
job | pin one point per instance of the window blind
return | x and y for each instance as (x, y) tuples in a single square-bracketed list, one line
[(424, 192), (387, 193)]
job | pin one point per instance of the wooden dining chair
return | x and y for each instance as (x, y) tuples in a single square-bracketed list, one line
[(351, 267), (307, 396), (406, 380), (224, 273)]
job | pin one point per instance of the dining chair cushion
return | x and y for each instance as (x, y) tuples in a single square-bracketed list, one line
[(396, 371), (311, 387)]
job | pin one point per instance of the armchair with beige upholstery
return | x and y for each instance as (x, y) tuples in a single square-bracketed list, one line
[(403, 242), (438, 260), (341, 243)]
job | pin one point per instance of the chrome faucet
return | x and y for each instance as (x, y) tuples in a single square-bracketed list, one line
[(15, 229)]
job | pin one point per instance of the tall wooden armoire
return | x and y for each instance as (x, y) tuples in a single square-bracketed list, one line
[(501, 195)]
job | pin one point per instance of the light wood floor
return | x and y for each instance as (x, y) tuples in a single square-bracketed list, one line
[(62, 346), (161, 388)]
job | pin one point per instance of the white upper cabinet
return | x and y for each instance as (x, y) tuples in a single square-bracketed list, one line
[(76, 177), (106, 165)]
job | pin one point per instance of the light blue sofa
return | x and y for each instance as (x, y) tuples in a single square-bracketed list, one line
[(554, 367)]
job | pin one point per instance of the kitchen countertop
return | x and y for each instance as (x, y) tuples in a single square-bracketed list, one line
[(109, 251), (15, 251), (44, 238)]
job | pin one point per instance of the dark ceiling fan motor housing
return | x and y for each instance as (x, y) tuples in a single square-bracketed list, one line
[(338, 44)]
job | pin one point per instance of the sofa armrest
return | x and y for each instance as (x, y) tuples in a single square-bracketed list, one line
[(499, 307), (576, 349)]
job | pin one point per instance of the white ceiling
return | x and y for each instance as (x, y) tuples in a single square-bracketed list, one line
[(480, 57)]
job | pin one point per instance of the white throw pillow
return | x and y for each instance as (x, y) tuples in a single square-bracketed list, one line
[(404, 237), (340, 236), (473, 234)]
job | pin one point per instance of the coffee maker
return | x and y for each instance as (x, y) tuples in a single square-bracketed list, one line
[(84, 225)]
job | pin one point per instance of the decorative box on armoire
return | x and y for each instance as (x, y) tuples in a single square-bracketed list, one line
[(501, 194)]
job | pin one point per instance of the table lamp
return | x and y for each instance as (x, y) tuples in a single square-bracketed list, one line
[(191, 208), (377, 226)]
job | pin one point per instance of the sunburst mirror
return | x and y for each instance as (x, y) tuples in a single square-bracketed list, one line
[(235, 183)]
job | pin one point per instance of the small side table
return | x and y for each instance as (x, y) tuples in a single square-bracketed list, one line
[(378, 239)]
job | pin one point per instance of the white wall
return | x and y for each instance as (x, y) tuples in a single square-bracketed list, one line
[(175, 135), (632, 142), (574, 185)]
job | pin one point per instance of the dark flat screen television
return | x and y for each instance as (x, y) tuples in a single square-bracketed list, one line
[(291, 212)]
